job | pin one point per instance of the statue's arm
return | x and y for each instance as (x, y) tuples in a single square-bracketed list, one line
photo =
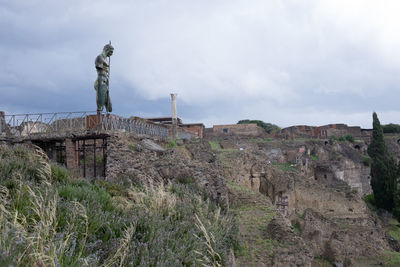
[(101, 63)]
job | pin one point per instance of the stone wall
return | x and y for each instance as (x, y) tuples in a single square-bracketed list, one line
[(325, 131), (238, 129)]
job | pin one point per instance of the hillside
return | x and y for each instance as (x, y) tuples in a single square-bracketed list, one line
[(234, 201)]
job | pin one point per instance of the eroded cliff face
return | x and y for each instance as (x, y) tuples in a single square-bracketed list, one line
[(326, 163), (317, 188)]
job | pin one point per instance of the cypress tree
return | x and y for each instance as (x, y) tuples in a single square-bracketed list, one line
[(383, 169)]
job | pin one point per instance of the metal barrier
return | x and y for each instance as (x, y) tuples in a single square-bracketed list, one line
[(136, 125), (72, 122), (28, 124)]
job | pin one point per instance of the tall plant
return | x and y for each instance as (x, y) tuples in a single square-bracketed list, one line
[(383, 169)]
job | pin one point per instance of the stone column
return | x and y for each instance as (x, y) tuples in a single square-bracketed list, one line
[(174, 117)]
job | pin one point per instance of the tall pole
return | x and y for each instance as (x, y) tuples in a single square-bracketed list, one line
[(109, 73), (174, 117)]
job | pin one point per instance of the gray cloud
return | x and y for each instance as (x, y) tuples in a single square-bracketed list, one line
[(286, 62)]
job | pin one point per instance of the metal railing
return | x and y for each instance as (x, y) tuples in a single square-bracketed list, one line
[(58, 122), (134, 124), (76, 122)]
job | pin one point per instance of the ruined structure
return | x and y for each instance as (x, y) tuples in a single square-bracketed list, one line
[(251, 130), (338, 130)]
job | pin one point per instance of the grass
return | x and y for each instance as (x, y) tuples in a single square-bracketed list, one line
[(226, 156), (394, 230), (239, 188), (214, 145), (287, 167), (391, 258), (314, 157), (253, 219), (132, 147), (171, 143), (259, 140), (48, 218), (323, 261)]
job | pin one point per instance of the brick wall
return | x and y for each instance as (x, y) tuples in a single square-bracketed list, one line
[(197, 128), (239, 129), (71, 151)]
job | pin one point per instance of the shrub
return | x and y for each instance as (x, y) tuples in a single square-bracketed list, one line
[(370, 200), (132, 147), (59, 173), (349, 138), (268, 127), (171, 143), (367, 161), (214, 145)]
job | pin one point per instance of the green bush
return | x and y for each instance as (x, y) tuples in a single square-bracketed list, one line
[(349, 138), (367, 161), (132, 147), (297, 228), (59, 173), (370, 200), (214, 145), (171, 143), (268, 127), (391, 128)]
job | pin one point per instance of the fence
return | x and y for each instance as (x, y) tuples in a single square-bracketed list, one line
[(73, 122), (134, 124)]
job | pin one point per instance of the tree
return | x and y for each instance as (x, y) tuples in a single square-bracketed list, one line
[(384, 171), (391, 128)]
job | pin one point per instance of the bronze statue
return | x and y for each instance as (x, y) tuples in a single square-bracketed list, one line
[(102, 83)]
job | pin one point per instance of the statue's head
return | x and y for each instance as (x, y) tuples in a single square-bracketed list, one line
[(108, 49)]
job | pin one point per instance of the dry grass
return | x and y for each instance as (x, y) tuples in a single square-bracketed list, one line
[(48, 219)]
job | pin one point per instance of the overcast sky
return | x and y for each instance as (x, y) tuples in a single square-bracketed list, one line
[(287, 62)]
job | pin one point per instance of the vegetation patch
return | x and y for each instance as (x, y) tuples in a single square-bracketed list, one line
[(171, 143), (214, 145), (49, 219), (260, 140), (391, 258), (391, 128), (287, 167), (394, 230), (297, 228), (367, 161), (268, 127)]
